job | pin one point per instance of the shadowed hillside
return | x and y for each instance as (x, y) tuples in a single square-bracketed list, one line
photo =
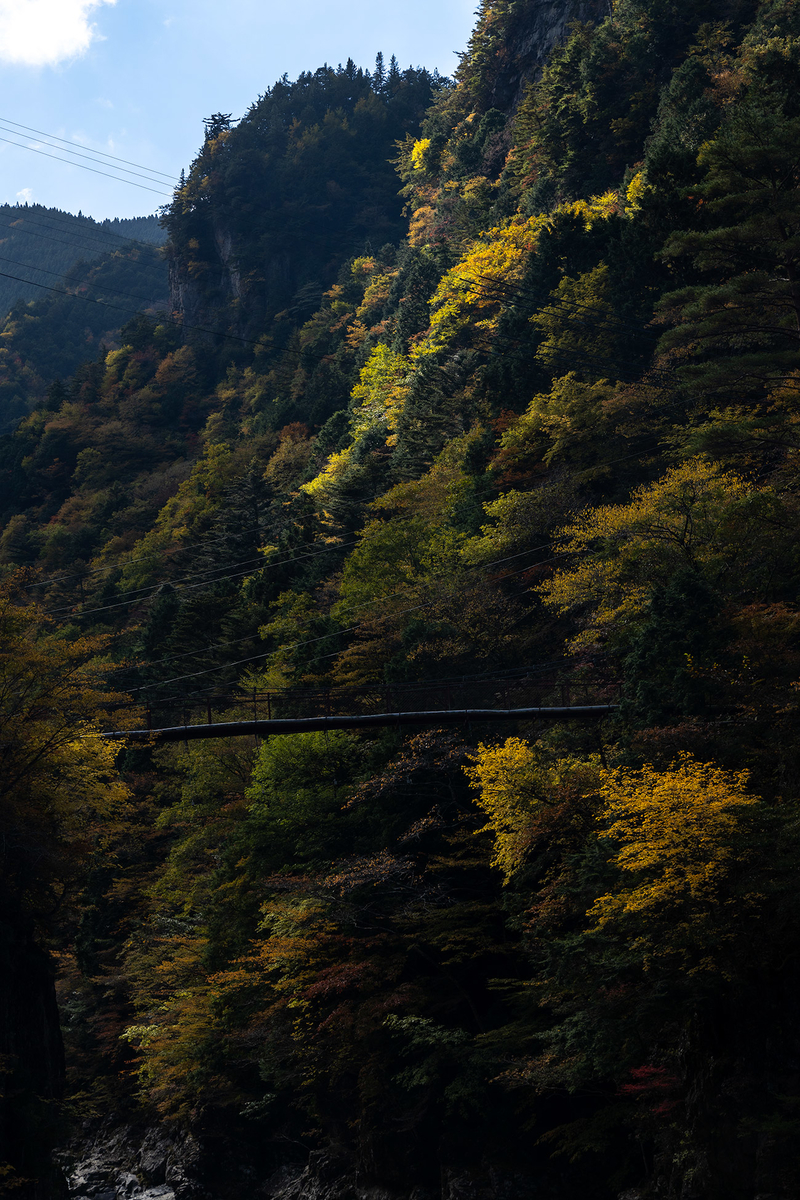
[(487, 384)]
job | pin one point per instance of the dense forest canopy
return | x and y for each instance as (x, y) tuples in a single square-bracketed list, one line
[(39, 245), (273, 206), (67, 284), (531, 423), (44, 341)]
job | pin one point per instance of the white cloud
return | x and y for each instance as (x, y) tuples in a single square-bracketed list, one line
[(37, 33), (25, 196)]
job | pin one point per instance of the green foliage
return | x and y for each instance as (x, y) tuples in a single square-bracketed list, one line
[(47, 243), (679, 637), (46, 339), (301, 182), (601, 89), (427, 447), (743, 323), (296, 796)]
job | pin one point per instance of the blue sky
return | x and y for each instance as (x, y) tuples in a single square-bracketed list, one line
[(135, 78)]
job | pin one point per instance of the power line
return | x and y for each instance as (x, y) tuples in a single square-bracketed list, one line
[(553, 301), (83, 283), (82, 167), (507, 674), (266, 565), (196, 575), (66, 141), (297, 558), (510, 672), (476, 566), (16, 228), (163, 318), (339, 632), (196, 548), (258, 343), (78, 154), (133, 592), (91, 232), (238, 575)]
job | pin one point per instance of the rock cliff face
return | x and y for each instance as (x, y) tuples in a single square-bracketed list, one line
[(225, 302), (114, 1162), (537, 27), (191, 303)]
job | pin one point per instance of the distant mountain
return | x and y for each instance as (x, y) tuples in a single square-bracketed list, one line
[(47, 338), (39, 245), (141, 229)]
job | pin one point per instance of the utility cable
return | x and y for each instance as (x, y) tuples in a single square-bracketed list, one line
[(258, 343), (195, 548), (82, 283), (474, 566), (67, 142), (561, 302), (294, 646), (198, 547), (141, 593), (509, 674), (333, 633), (79, 154), (89, 233), (163, 319), (190, 587), (16, 228), (419, 685), (336, 653), (238, 641), (81, 166), (238, 575)]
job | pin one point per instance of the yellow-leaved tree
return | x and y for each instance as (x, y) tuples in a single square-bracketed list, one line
[(697, 517), (667, 860), (516, 783), (682, 840)]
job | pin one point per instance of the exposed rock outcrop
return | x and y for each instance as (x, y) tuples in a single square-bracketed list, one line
[(119, 1162), (539, 27)]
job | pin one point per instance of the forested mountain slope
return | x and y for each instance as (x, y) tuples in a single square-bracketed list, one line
[(38, 245), (542, 426), (272, 208), (44, 341)]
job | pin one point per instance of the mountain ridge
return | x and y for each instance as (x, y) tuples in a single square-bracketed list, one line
[(538, 428)]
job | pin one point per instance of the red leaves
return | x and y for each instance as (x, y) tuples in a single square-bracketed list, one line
[(653, 1087)]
